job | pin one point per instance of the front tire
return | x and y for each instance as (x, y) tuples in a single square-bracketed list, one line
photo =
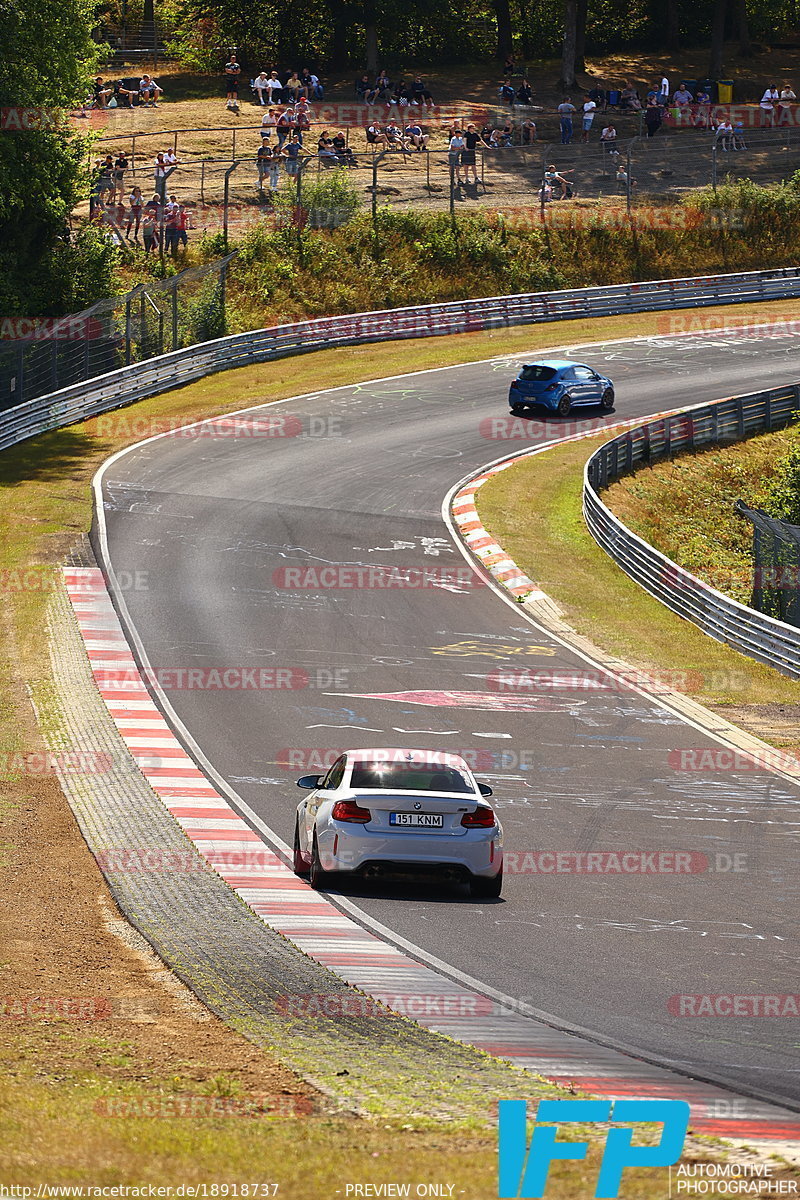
[(486, 889), (564, 406), (299, 864), (316, 876), (607, 400)]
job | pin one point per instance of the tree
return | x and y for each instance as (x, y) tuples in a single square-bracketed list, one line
[(48, 58), (569, 49), (717, 38), (504, 39)]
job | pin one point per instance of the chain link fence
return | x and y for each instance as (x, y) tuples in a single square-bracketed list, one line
[(776, 565), (635, 173), (153, 318)]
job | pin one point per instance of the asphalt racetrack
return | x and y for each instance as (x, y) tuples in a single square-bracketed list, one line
[(234, 535)]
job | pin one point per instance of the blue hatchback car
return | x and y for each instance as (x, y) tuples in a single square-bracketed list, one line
[(559, 385)]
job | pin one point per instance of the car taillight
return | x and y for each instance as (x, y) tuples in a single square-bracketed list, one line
[(482, 818), (551, 387), (348, 810)]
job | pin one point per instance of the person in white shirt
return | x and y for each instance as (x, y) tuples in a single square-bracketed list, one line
[(589, 109), (725, 134), (275, 88), (268, 123), (787, 96), (170, 158), (664, 90), (608, 140), (767, 105), (261, 85)]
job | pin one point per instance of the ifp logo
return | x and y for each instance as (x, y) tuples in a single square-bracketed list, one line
[(523, 1169)]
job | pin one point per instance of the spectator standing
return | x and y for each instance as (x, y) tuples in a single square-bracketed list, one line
[(260, 86), (565, 111), (589, 109), (160, 175), (274, 172), (284, 125), (703, 115), (263, 162), (120, 167), (663, 91), (787, 96), (654, 115), (472, 139), (232, 73), (149, 226), (268, 124), (767, 105), (181, 221), (135, 206), (457, 145), (292, 152)]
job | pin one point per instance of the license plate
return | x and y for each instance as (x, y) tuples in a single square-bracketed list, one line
[(417, 820)]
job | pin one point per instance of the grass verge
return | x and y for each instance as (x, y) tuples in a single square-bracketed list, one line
[(534, 511), (54, 941)]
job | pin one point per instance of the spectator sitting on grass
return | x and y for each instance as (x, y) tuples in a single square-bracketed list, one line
[(506, 92), (528, 132), (553, 179), (311, 82), (682, 97), (420, 93), (261, 85), (363, 89), (100, 92), (149, 91), (598, 94), (294, 87), (524, 93), (275, 88), (622, 177), (629, 99), (382, 89)]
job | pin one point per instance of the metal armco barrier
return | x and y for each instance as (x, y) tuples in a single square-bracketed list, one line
[(128, 384), (753, 633)]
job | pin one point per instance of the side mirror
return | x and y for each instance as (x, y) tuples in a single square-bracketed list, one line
[(309, 782), (485, 790)]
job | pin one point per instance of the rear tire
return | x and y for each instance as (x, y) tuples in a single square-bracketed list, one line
[(564, 406), (316, 876), (487, 889), (607, 400), (299, 864)]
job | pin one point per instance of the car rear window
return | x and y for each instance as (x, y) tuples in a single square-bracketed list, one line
[(410, 777), (536, 374)]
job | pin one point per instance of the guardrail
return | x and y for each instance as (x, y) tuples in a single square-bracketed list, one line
[(753, 633), (131, 383)]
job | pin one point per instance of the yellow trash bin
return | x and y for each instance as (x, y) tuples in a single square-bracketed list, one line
[(725, 90)]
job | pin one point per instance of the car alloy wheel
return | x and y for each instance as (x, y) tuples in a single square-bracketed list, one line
[(607, 400), (564, 406)]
